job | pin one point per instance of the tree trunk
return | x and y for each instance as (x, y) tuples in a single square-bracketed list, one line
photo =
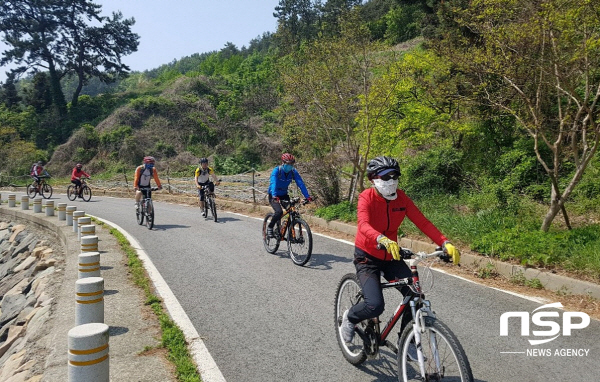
[(58, 97), (75, 98)]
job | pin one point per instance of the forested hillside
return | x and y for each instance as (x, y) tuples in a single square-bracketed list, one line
[(491, 105)]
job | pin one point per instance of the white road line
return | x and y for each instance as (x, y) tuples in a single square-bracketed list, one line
[(207, 367)]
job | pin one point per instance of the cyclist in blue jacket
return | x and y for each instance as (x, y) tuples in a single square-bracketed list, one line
[(281, 177)]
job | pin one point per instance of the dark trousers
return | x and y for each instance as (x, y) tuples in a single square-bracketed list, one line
[(369, 272), (278, 210), (211, 188)]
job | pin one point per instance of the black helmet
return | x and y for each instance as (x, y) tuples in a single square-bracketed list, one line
[(379, 164), (203, 160)]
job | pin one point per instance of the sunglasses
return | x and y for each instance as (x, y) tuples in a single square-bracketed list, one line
[(387, 177)]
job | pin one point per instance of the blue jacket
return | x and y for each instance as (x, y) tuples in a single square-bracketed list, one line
[(280, 181)]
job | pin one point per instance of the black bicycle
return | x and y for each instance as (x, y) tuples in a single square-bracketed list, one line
[(426, 350), (294, 230), (209, 202), (84, 191), (42, 188), (146, 209)]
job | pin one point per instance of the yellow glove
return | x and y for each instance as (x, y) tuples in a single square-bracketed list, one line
[(451, 251), (390, 246)]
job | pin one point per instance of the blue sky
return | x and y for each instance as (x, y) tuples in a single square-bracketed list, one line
[(172, 29)]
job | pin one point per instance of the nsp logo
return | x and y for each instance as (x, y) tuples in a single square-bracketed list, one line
[(539, 320)]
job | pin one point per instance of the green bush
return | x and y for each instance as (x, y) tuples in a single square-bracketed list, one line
[(343, 211)]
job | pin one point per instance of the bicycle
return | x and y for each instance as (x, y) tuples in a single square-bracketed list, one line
[(42, 188), (84, 191), (146, 208), (294, 230), (209, 202), (427, 350)]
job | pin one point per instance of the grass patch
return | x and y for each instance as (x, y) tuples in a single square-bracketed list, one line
[(508, 233), (172, 337), (343, 211)]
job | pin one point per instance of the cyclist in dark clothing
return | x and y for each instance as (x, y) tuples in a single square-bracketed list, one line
[(281, 177)]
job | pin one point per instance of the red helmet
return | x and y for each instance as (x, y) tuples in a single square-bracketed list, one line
[(149, 160), (288, 158), (79, 165)]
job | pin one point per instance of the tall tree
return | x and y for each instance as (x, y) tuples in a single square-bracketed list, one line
[(58, 36), (537, 61), (97, 51), (297, 20), (31, 28)]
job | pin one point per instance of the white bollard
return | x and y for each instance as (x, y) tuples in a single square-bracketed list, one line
[(87, 230), (89, 243), (83, 220), (70, 210), (88, 353), (49, 207), (37, 205), (25, 202), (89, 265), (62, 211), (76, 216), (12, 200), (90, 300)]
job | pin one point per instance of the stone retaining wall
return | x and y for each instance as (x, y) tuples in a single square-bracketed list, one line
[(30, 268)]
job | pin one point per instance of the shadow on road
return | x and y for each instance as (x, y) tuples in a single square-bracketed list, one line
[(164, 227), (323, 261), (223, 220)]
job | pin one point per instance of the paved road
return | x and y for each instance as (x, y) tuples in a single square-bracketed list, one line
[(265, 319)]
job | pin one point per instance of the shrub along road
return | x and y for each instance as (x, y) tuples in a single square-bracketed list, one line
[(264, 319)]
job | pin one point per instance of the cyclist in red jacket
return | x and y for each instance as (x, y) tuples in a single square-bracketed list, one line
[(76, 176), (381, 209)]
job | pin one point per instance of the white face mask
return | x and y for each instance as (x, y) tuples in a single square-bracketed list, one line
[(387, 189)]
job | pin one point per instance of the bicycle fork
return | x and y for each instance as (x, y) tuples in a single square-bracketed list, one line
[(419, 328)]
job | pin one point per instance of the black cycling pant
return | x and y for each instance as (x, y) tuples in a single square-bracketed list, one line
[(369, 272), (76, 182), (278, 210), (211, 188)]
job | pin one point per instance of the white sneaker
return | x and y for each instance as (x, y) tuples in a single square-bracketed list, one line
[(203, 214), (347, 328)]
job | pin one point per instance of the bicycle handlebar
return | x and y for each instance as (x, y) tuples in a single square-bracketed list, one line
[(416, 258), (148, 188)]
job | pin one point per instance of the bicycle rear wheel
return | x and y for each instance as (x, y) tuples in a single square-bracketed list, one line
[(271, 243), (349, 293), (299, 241), (149, 214), (46, 191), (31, 190), (437, 342), (213, 208), (71, 192), (86, 193)]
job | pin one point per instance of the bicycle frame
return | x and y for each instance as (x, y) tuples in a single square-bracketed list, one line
[(415, 299), (289, 214)]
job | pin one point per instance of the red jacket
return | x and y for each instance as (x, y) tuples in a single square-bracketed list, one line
[(377, 215), (78, 173)]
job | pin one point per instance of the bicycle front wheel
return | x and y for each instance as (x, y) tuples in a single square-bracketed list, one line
[(139, 213), (444, 357), (31, 190), (71, 192), (299, 241), (271, 243), (149, 214), (348, 294), (46, 191), (213, 208), (86, 193)]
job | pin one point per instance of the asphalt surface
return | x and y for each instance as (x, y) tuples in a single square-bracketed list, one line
[(262, 318)]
